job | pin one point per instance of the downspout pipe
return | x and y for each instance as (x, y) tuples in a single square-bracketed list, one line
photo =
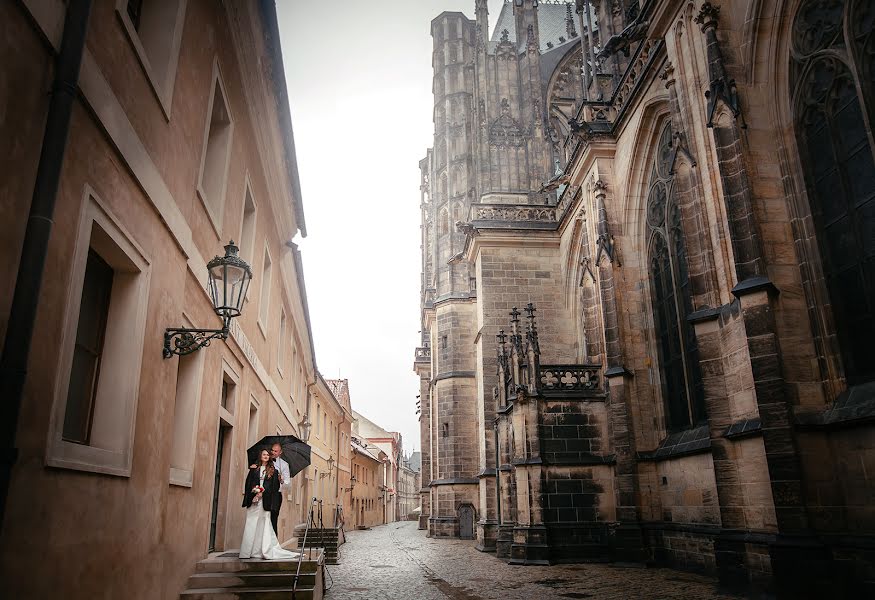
[(28, 282)]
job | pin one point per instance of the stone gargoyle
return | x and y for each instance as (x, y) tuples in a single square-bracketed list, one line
[(622, 41)]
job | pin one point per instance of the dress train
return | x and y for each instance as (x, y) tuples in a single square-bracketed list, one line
[(259, 539)]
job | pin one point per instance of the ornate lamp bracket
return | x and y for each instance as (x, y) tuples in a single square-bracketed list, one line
[(229, 278), (182, 341)]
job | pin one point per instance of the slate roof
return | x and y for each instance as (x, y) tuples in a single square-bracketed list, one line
[(415, 461), (551, 25)]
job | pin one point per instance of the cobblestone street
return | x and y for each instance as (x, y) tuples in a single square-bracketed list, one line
[(398, 562)]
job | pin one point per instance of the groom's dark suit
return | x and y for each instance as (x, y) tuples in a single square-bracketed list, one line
[(282, 468)]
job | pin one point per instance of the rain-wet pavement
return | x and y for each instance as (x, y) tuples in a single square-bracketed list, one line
[(398, 562)]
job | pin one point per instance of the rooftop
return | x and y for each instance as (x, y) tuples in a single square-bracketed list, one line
[(553, 25)]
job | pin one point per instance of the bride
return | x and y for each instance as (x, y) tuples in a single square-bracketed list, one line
[(261, 492)]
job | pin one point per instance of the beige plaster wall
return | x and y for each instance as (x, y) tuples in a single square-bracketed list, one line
[(138, 536)]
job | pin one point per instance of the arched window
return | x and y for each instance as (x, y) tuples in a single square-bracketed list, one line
[(679, 368), (443, 222), (831, 124)]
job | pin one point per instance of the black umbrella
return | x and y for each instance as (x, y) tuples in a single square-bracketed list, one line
[(295, 452)]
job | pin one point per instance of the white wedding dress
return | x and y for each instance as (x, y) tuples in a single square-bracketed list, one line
[(259, 539)]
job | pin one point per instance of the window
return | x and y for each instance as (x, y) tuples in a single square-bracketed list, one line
[(264, 301), (228, 394), (318, 421), (680, 374), (88, 349), (443, 222), (839, 165), (253, 421), (96, 392), (216, 153), (247, 226), (185, 411), (282, 342), (154, 28)]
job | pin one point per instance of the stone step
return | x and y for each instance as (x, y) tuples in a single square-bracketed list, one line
[(250, 579), (284, 593), (230, 564)]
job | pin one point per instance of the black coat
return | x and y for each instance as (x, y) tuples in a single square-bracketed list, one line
[(271, 497)]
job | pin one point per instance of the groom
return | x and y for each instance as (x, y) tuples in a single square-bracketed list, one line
[(282, 467)]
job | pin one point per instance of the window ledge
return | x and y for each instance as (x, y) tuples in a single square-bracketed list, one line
[(695, 440), (181, 477), (211, 216)]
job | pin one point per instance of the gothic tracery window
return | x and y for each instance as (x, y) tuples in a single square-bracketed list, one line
[(679, 369), (832, 69)]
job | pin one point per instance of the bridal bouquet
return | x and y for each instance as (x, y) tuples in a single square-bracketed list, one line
[(257, 490)]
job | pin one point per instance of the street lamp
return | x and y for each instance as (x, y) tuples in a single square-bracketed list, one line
[(229, 279), (304, 428)]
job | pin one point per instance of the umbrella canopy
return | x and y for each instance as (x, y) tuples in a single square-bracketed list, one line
[(295, 452)]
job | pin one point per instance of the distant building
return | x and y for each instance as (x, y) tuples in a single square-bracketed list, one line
[(330, 423), (367, 485), (389, 442), (407, 495), (340, 390)]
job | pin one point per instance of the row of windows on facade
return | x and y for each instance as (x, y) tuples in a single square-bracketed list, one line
[(152, 21)]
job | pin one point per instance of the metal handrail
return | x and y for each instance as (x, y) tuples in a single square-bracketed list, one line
[(303, 545)]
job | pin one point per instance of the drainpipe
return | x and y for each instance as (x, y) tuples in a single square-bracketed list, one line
[(22, 315)]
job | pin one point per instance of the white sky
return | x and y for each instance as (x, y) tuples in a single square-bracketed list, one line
[(359, 79)]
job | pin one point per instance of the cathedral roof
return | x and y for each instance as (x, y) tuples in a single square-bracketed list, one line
[(551, 25)]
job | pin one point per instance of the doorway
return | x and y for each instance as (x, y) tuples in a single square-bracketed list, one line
[(223, 443), (466, 522)]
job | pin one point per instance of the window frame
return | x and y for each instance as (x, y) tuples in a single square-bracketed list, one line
[(126, 326), (182, 476), (216, 214), (660, 175), (163, 90)]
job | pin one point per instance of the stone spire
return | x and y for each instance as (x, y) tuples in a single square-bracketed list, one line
[(570, 28), (525, 14)]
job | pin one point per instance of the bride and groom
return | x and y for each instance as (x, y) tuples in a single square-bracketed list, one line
[(262, 498)]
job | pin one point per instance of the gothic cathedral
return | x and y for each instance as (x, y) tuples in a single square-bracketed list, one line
[(648, 288)]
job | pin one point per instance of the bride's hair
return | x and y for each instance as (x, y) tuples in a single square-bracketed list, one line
[(269, 470)]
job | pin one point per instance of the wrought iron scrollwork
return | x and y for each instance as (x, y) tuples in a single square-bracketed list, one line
[(181, 341)]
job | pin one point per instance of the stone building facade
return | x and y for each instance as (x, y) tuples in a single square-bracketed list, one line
[(340, 391), (407, 491), (367, 484), (130, 467), (648, 282), (327, 477), (389, 443)]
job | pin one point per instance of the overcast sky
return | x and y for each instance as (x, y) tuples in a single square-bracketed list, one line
[(359, 79)]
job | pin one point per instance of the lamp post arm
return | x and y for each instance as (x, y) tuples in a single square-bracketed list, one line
[(181, 341)]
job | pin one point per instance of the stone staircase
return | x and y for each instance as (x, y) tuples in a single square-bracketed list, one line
[(327, 538), (226, 577)]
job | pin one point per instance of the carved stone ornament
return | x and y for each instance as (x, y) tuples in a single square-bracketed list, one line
[(466, 228), (722, 90), (679, 149), (708, 16), (667, 74), (514, 212), (623, 41), (585, 271), (505, 130)]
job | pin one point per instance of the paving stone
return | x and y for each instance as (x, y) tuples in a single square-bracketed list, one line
[(398, 562)]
